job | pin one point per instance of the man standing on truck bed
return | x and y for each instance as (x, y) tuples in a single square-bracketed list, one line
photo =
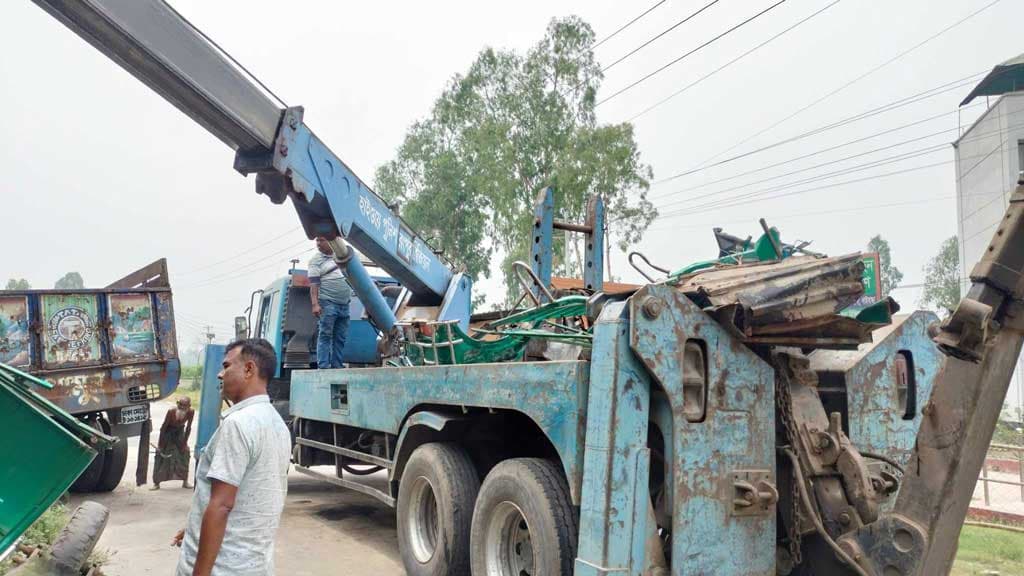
[(330, 295), (242, 476)]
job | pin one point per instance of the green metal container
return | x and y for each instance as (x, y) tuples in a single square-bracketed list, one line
[(43, 450)]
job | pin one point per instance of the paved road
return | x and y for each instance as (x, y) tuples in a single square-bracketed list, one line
[(324, 530)]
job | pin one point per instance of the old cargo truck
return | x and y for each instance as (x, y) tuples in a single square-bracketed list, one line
[(108, 352)]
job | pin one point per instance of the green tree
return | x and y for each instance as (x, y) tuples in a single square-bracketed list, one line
[(891, 275), (70, 281), (942, 277), (18, 284), (467, 175)]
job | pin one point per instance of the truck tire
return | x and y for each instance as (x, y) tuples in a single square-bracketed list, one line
[(90, 477), (435, 509), (524, 521), (114, 460), (75, 542)]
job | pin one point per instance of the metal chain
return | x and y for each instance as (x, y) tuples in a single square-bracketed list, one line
[(784, 403)]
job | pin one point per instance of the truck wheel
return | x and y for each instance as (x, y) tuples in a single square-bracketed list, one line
[(435, 507), (114, 460), (524, 523), (75, 542), (90, 477)]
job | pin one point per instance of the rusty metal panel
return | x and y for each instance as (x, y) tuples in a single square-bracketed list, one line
[(15, 336), (70, 330), (103, 388), (613, 510), (876, 420), (165, 324), (723, 463), (132, 331), (81, 392)]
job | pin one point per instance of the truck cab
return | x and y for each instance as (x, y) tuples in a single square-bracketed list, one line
[(284, 317)]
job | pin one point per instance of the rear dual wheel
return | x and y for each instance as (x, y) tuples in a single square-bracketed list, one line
[(524, 523), (435, 507), (107, 468), (519, 522)]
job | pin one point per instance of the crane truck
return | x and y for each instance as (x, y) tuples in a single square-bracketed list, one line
[(724, 419)]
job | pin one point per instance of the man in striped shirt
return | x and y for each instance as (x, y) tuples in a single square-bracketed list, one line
[(330, 295)]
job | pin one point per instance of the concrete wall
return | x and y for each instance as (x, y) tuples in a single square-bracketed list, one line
[(988, 160)]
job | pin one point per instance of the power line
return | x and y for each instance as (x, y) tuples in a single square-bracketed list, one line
[(821, 212), (242, 273), (808, 168), (239, 267), (627, 25), (242, 253), (810, 155), (756, 196), (730, 63), (662, 33), (822, 164), (857, 79), (699, 210), (695, 50), (743, 199), (732, 200), (888, 107)]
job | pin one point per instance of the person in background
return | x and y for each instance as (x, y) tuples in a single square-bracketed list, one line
[(172, 455), (330, 295), (242, 475)]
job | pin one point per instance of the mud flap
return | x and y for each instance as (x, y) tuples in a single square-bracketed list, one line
[(142, 468)]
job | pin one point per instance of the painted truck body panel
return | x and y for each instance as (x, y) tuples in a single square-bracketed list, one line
[(102, 349)]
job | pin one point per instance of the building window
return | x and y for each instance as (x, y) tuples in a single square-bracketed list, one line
[(1020, 156)]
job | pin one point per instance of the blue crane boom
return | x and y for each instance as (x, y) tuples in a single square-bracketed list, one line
[(159, 47)]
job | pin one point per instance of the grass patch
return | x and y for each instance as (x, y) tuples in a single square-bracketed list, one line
[(188, 388), (42, 532), (987, 550)]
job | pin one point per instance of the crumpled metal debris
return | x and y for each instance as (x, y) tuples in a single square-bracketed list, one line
[(793, 302)]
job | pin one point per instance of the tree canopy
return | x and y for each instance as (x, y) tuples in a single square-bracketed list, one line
[(70, 281), (466, 176), (942, 277), (18, 284)]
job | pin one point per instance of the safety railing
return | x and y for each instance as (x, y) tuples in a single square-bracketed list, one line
[(998, 470)]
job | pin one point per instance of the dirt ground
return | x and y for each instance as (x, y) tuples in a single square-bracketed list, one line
[(324, 530)]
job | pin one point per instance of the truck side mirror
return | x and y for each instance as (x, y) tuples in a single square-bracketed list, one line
[(241, 328)]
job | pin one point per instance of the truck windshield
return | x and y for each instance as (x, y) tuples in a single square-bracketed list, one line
[(264, 320)]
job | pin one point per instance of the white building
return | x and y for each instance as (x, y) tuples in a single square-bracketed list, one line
[(989, 158)]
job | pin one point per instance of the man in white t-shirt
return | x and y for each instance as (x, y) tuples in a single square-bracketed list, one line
[(242, 475)]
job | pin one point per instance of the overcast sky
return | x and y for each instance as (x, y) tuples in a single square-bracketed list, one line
[(102, 176)]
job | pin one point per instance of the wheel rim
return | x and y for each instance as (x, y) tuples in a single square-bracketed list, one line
[(423, 526), (508, 548)]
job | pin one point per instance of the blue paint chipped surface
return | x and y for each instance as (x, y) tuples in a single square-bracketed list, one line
[(737, 434), (552, 394)]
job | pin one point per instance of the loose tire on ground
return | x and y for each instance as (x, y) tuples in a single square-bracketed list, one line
[(76, 540), (90, 477), (114, 461), (435, 508), (524, 523)]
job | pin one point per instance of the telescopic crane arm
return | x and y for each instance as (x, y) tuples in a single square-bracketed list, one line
[(983, 341), (159, 47)]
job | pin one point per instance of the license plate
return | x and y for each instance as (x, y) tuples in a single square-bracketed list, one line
[(133, 414)]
